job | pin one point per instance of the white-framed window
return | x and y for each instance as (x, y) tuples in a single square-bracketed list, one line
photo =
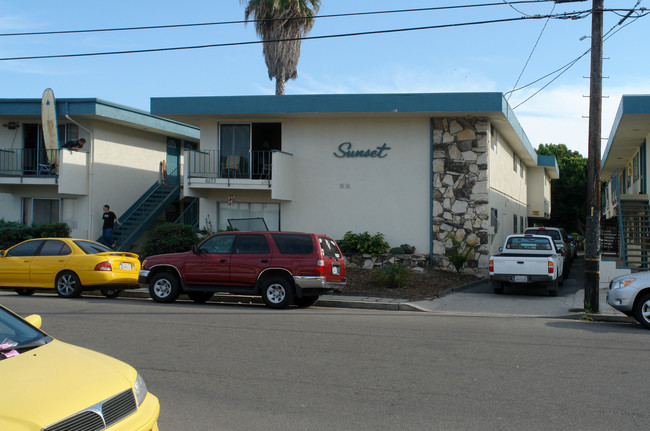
[(515, 162), (239, 210), (521, 168), (493, 139), (41, 210)]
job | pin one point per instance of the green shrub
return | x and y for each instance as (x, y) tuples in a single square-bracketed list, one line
[(11, 233), (169, 238), (397, 250), (53, 230), (363, 243), (392, 276)]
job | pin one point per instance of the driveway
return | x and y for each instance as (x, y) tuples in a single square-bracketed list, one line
[(522, 301)]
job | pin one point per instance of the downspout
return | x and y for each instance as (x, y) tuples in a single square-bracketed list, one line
[(90, 176), (431, 177)]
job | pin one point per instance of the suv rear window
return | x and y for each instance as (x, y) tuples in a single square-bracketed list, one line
[(294, 244), (330, 250)]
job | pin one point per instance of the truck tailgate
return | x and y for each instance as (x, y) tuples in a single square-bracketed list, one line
[(520, 265)]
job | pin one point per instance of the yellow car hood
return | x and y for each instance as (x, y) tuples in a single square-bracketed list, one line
[(49, 383)]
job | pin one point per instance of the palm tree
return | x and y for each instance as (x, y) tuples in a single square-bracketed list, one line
[(277, 20)]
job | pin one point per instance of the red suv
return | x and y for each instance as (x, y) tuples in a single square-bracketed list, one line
[(282, 267)]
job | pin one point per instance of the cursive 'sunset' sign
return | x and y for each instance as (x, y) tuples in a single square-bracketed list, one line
[(345, 151)]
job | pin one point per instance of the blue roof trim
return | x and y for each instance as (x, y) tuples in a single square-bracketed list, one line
[(328, 103), (101, 108), (630, 104), (549, 162)]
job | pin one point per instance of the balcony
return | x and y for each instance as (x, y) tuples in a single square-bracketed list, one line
[(256, 170), (29, 166), (64, 168)]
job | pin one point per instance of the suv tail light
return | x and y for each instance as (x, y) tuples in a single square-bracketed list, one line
[(103, 266), (491, 266), (551, 268), (320, 266)]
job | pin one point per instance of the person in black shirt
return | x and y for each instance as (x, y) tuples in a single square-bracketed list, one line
[(109, 218)]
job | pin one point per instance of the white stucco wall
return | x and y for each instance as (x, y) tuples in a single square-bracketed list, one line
[(390, 195), (126, 163), (539, 191), (507, 193), (334, 195)]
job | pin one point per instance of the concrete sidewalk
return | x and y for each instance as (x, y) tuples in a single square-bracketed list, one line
[(461, 302)]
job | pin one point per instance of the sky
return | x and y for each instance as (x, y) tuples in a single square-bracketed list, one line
[(488, 57)]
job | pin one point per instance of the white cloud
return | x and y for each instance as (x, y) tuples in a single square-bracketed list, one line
[(560, 115)]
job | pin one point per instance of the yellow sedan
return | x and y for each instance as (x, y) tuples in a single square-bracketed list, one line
[(68, 265), (49, 385)]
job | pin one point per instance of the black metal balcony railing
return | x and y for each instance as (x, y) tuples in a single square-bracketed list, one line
[(28, 162), (254, 165)]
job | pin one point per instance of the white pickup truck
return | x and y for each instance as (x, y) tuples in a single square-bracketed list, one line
[(527, 260)]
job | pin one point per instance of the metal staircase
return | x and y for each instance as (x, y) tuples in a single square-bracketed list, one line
[(143, 213), (634, 223)]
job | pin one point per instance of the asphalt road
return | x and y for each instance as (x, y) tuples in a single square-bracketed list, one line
[(236, 367)]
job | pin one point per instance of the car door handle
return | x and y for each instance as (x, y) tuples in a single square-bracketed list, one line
[(223, 260), (265, 261), (520, 262)]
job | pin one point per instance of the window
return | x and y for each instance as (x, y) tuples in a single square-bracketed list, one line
[(514, 223), (252, 244), (521, 224), (515, 162), (494, 219), (91, 247), (493, 138), (26, 249), (521, 168), (270, 212), (245, 149), (293, 243), (41, 211), (55, 248), (330, 250), (635, 166), (218, 244)]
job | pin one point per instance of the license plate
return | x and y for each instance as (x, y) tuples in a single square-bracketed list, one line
[(336, 270), (521, 279), (127, 266)]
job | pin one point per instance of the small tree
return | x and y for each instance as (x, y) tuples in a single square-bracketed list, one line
[(459, 253), (392, 276)]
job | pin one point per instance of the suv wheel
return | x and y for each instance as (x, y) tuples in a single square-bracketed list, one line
[(164, 287), (277, 292), (642, 310)]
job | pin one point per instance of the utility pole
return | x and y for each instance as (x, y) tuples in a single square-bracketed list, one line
[(592, 229)]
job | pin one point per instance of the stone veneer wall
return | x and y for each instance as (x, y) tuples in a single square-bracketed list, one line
[(460, 190)]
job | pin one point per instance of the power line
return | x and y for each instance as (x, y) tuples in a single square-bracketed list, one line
[(578, 15), (568, 66), (339, 15), (531, 52)]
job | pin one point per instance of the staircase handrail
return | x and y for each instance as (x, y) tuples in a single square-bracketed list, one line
[(621, 231), (189, 208)]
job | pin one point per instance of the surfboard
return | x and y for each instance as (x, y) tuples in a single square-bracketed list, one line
[(48, 117)]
